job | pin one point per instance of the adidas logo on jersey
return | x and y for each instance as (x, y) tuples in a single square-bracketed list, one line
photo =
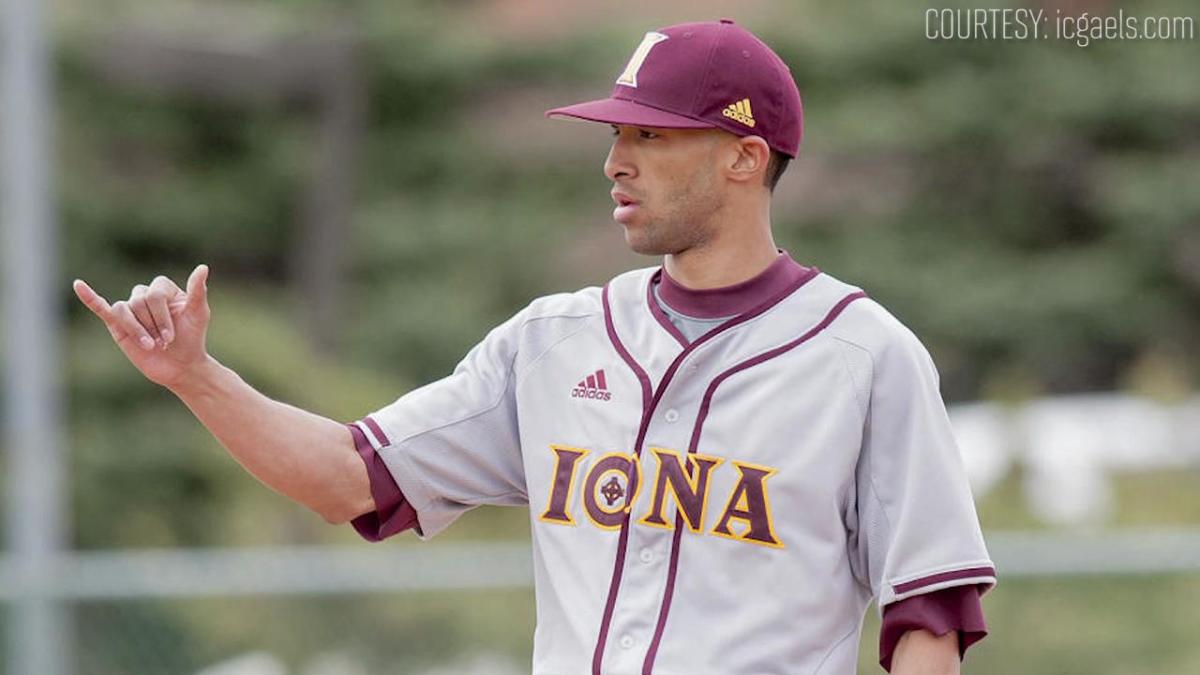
[(593, 386), (740, 112)]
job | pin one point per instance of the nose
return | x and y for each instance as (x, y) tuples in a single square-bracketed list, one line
[(619, 163)]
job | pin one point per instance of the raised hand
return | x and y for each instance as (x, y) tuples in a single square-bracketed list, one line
[(160, 328)]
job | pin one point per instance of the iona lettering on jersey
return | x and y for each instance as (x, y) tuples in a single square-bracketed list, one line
[(687, 490)]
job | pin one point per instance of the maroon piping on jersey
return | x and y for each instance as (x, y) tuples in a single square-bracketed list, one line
[(623, 539), (377, 431), (393, 514), (705, 403), (956, 608), (649, 403), (973, 572), (661, 316)]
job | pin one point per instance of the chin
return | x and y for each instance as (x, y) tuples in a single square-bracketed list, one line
[(644, 245), (641, 249), (637, 242)]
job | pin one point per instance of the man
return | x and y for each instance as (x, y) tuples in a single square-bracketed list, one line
[(724, 459)]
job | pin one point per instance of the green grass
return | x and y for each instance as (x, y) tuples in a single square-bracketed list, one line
[(1088, 626), (1147, 499)]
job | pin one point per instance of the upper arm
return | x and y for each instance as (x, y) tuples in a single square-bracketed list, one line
[(387, 511), (454, 444), (920, 652), (917, 529), (953, 611)]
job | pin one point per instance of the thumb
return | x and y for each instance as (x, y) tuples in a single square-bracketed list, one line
[(197, 289)]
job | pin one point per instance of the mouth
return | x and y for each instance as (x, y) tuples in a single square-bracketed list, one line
[(626, 207)]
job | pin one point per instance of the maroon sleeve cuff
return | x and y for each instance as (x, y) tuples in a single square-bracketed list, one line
[(956, 608), (393, 514)]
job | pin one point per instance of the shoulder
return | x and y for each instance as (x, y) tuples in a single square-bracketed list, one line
[(869, 325), (546, 321), (625, 287), (549, 319), (629, 287), (582, 303), (877, 339)]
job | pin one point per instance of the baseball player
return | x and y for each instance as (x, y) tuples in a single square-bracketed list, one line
[(724, 458)]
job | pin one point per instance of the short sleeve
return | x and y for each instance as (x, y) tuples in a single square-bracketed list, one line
[(956, 609), (393, 514), (454, 444), (914, 529)]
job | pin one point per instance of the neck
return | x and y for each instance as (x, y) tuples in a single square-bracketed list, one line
[(723, 261)]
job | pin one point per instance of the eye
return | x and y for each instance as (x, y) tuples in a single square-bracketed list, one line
[(642, 133)]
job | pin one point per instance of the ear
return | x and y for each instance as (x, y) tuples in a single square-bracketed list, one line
[(749, 158)]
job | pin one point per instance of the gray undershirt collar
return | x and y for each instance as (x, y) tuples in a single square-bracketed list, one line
[(691, 327)]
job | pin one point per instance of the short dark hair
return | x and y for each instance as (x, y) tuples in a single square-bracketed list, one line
[(775, 168)]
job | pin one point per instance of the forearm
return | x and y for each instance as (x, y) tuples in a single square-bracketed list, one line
[(920, 652), (308, 458)]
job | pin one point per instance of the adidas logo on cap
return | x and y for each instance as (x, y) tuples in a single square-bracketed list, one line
[(740, 112), (593, 386)]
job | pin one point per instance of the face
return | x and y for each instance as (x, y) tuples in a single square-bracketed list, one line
[(666, 186)]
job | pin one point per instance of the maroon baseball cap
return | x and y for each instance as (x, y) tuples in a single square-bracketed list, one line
[(702, 75)]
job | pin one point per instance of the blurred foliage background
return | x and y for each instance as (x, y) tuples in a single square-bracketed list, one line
[(1030, 209)]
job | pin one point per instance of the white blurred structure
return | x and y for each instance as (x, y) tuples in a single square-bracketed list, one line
[(262, 663), (335, 663), (38, 640), (254, 663), (1069, 448), (479, 665)]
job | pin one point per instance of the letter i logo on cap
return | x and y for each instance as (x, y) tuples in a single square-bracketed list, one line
[(629, 75)]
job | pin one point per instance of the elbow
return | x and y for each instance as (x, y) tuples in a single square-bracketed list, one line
[(334, 517), (348, 499), (920, 651), (341, 512)]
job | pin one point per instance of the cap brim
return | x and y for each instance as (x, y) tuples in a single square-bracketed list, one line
[(621, 111)]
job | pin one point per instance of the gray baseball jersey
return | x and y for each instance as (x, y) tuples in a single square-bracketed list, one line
[(728, 504)]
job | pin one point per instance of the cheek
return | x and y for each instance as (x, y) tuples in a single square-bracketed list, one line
[(694, 183), (671, 178), (678, 183)]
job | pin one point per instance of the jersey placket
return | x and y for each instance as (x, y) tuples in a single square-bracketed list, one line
[(647, 549), (619, 643), (692, 448)]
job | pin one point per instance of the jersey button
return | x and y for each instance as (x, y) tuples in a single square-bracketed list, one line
[(672, 415), (627, 642), (646, 556)]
